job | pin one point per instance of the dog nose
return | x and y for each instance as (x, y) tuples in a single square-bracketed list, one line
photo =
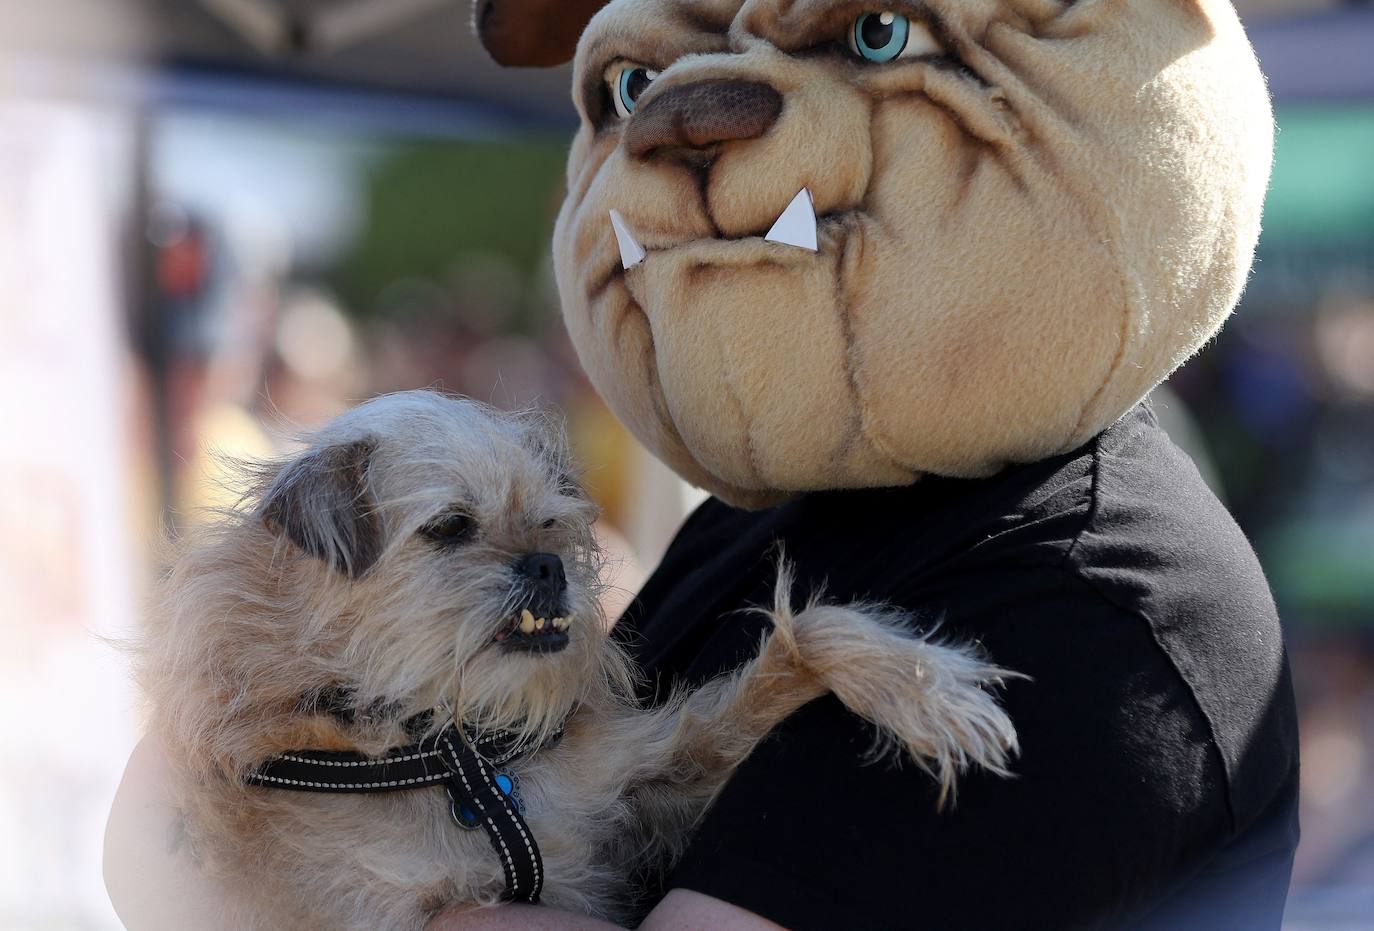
[(544, 571), (697, 116)]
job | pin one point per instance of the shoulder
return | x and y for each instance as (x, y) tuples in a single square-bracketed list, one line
[(1158, 541), (1160, 547)]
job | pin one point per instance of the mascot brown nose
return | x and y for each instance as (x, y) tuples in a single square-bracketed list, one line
[(692, 117)]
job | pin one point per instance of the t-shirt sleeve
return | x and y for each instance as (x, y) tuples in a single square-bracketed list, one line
[(1118, 796)]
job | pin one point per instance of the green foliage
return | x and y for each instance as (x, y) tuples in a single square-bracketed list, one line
[(431, 204)]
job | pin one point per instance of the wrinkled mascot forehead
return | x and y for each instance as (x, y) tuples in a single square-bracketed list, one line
[(811, 244)]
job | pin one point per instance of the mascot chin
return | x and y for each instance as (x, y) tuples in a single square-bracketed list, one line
[(893, 280)]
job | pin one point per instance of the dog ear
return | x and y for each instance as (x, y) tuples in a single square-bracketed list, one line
[(322, 504), (533, 33)]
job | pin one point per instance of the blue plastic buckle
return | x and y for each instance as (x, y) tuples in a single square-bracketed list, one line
[(466, 818)]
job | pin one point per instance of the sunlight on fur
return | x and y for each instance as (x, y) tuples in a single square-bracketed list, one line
[(1019, 230), (388, 563)]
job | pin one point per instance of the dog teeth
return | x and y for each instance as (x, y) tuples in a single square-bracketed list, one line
[(529, 624), (631, 252), (797, 224)]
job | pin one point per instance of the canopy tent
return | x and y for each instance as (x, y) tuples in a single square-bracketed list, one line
[(426, 49), (1318, 57)]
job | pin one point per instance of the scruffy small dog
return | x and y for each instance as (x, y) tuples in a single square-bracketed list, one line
[(429, 563)]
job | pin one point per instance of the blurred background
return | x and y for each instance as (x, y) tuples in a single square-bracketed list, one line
[(223, 221)]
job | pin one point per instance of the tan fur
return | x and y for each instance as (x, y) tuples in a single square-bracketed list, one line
[(250, 626), (1011, 255)]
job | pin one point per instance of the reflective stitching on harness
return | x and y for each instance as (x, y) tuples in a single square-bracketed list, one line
[(387, 761), (434, 760), (419, 780), (529, 848), (512, 879)]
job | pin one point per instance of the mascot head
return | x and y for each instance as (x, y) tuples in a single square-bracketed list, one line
[(818, 244)]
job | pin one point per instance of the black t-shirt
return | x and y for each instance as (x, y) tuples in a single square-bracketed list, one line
[(1156, 786)]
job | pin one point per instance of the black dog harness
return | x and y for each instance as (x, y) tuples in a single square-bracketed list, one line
[(480, 793)]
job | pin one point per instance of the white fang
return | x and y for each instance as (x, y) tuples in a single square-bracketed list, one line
[(631, 252), (797, 225)]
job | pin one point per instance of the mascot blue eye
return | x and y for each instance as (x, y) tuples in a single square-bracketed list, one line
[(879, 36), (629, 84), (887, 36)]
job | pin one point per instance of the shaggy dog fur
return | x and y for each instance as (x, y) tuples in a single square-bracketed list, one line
[(331, 576), (1022, 229)]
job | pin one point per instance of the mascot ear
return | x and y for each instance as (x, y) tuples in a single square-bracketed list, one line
[(321, 503), (533, 33)]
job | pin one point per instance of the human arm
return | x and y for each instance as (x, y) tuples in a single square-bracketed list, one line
[(152, 881), (680, 910)]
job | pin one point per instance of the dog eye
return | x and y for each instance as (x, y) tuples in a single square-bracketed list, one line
[(887, 36), (628, 82), (450, 529)]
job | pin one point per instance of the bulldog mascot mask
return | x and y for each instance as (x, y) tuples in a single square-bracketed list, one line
[(891, 279), (1026, 214)]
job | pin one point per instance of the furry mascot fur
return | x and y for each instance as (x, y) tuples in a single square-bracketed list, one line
[(1022, 232), (1017, 218)]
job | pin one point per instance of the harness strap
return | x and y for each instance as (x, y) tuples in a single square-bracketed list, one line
[(321, 771), (467, 770), (474, 785)]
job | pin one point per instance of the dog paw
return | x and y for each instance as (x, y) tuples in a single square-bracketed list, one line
[(947, 717), (930, 701)]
